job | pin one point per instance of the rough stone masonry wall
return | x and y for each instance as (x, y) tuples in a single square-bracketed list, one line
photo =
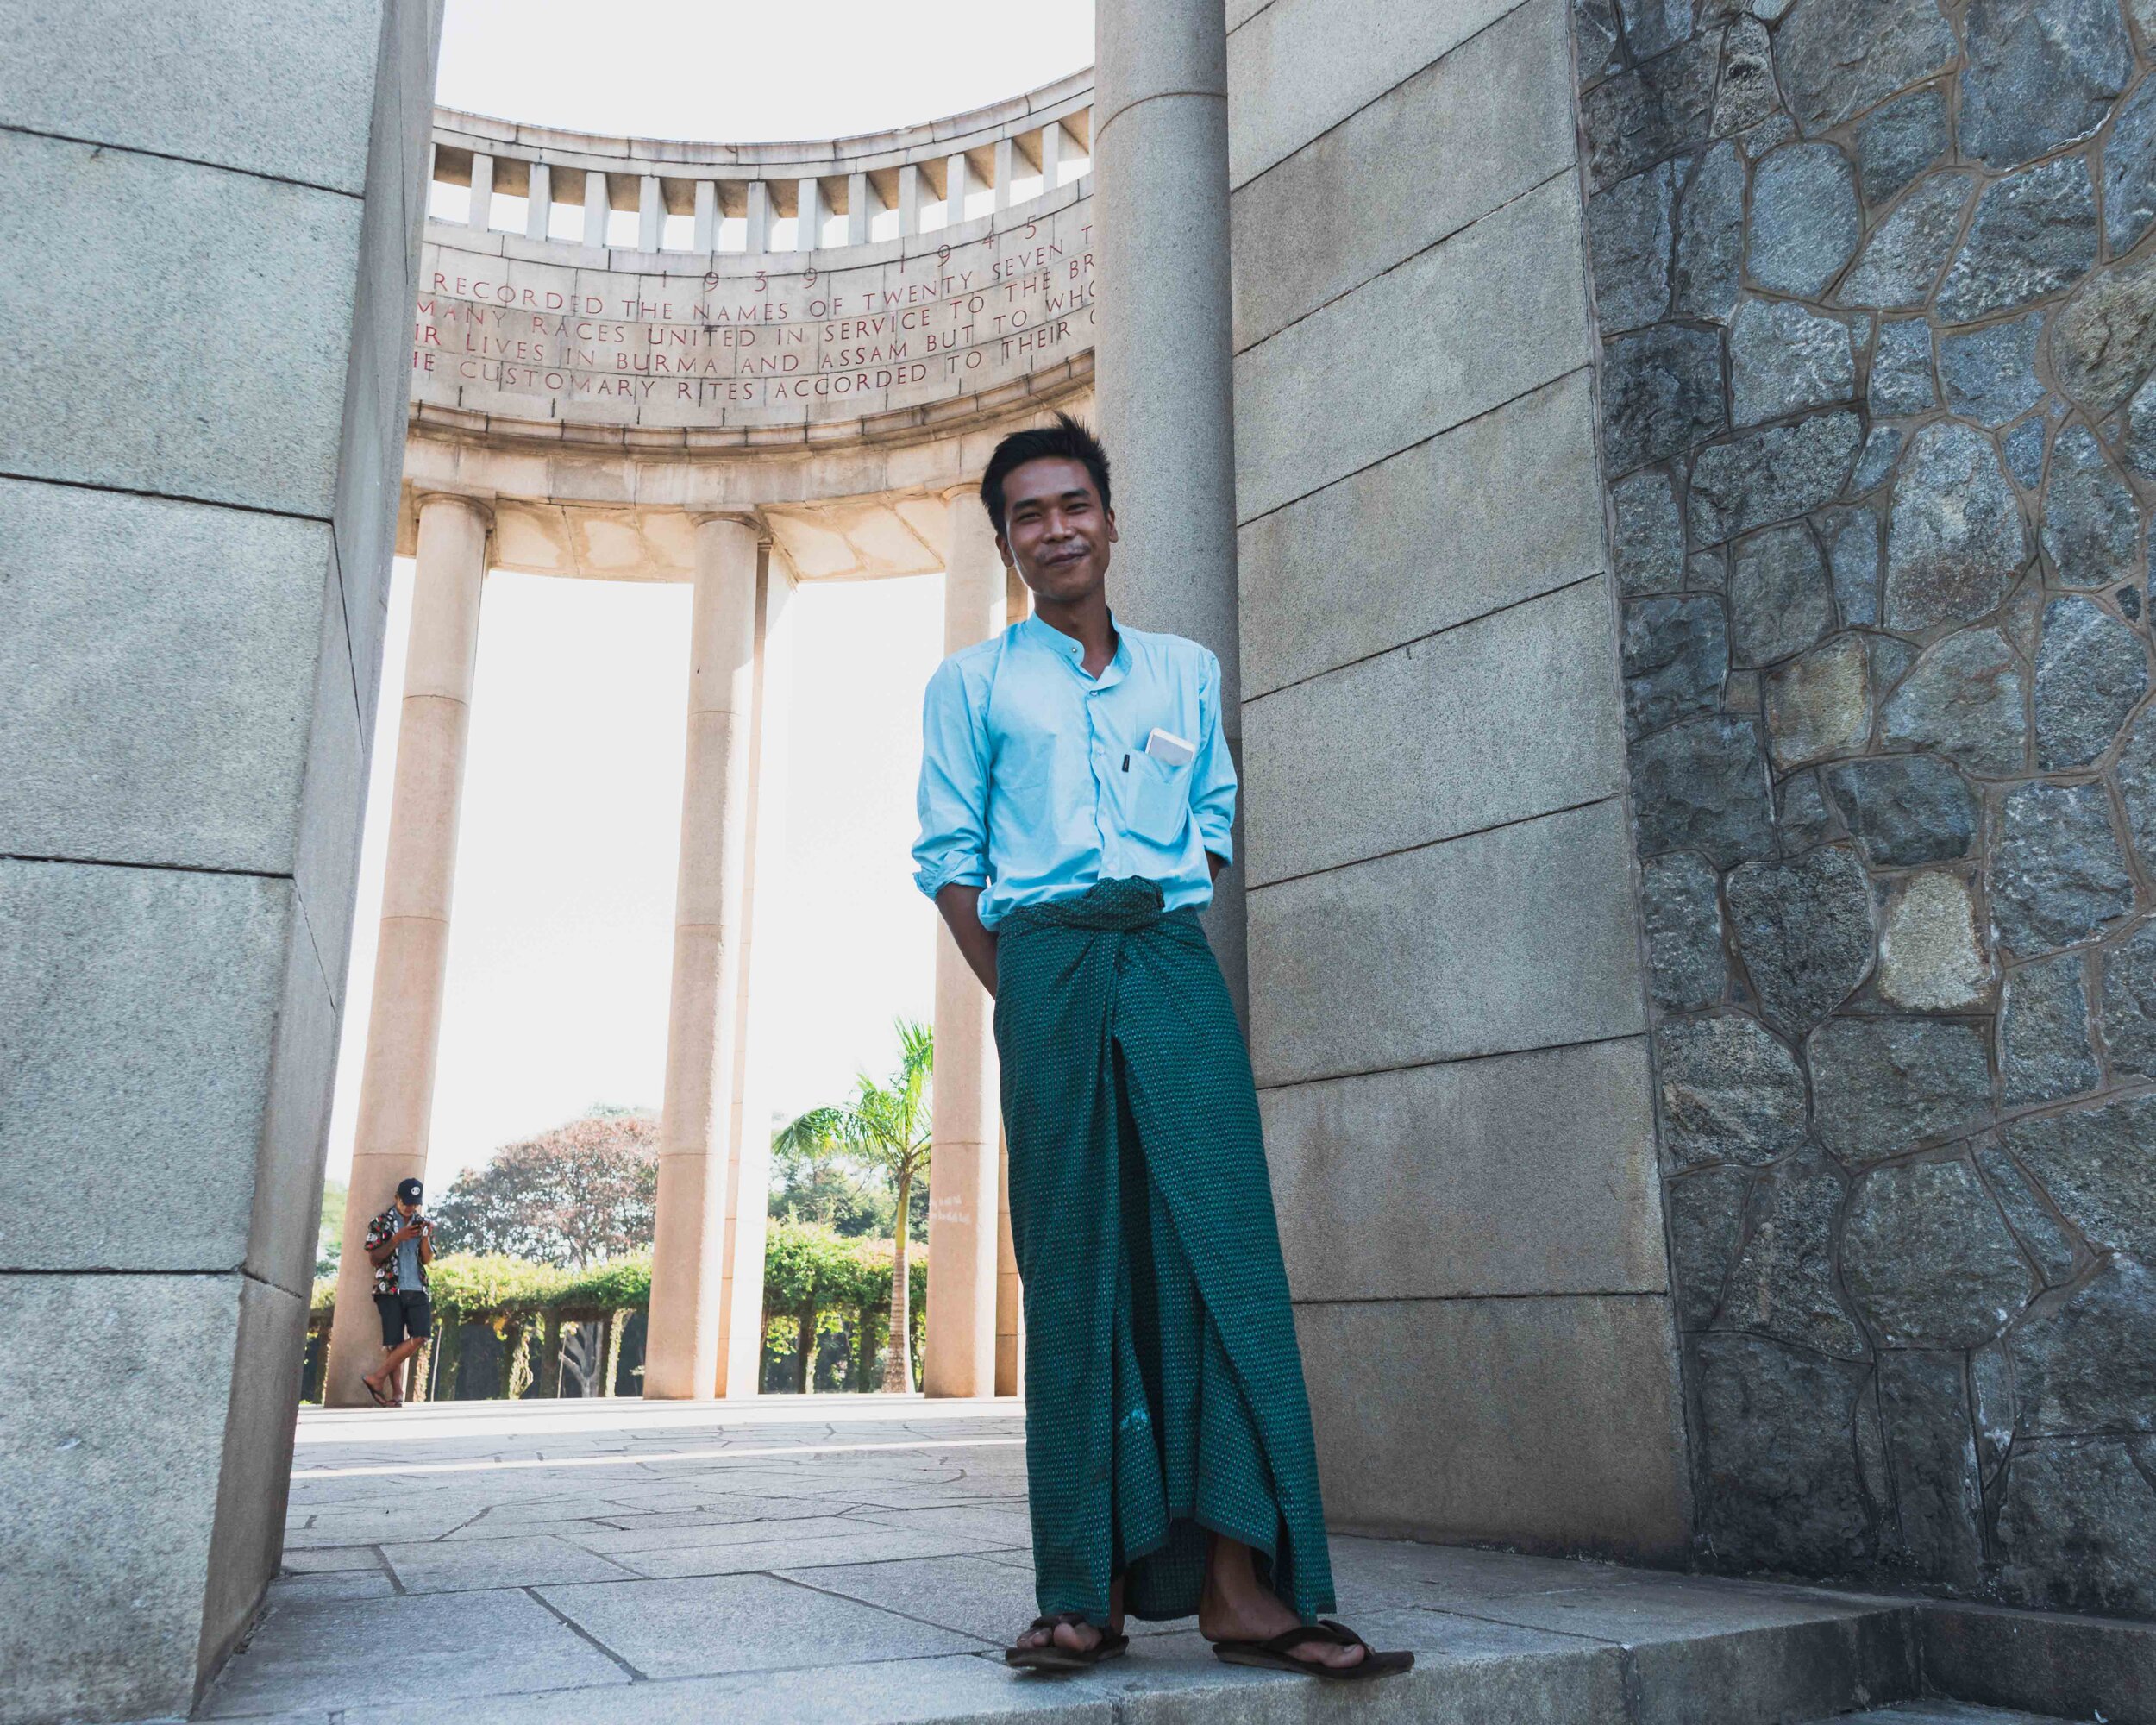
[(1875, 282)]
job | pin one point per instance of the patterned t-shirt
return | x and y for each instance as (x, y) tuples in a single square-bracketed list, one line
[(379, 1232)]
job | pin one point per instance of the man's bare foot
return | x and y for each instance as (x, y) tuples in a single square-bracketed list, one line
[(1078, 1637), (1236, 1606)]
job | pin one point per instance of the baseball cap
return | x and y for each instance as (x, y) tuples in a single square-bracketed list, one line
[(409, 1190)]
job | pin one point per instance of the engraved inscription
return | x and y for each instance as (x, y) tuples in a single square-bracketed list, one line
[(739, 342)]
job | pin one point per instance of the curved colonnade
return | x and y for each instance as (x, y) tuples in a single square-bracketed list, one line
[(742, 366)]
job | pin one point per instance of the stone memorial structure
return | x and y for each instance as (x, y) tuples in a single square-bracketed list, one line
[(741, 367), (1668, 486)]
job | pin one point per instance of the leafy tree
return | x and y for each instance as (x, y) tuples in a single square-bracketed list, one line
[(885, 1126), (571, 1196), (808, 1273), (329, 1241), (820, 1185)]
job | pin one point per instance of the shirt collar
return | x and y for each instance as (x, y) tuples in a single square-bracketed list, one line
[(1074, 651)]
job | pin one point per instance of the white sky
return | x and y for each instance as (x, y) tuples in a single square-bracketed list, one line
[(561, 930), (741, 70)]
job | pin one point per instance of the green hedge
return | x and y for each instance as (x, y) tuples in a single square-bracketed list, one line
[(802, 1261)]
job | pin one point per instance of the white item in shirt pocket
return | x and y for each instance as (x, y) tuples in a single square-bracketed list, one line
[(1169, 750)]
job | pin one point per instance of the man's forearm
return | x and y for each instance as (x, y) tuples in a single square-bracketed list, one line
[(960, 908)]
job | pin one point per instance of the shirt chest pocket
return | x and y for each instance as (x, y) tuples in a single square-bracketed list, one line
[(1158, 799)]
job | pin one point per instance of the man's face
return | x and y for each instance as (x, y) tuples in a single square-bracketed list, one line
[(1056, 533), (405, 1206)]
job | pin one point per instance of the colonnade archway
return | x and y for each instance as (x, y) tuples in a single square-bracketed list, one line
[(743, 418)]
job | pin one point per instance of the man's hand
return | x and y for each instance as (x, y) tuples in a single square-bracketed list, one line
[(960, 907)]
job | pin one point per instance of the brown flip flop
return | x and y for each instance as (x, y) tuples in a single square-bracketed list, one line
[(1053, 1658), (1272, 1654)]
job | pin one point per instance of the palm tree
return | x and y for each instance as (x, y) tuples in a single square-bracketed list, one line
[(886, 1125)]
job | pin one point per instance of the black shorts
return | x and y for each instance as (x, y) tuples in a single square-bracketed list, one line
[(409, 1314)]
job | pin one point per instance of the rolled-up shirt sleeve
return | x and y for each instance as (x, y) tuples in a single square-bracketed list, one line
[(1213, 773), (953, 797)]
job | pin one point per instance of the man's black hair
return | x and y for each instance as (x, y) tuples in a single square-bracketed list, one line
[(1066, 440)]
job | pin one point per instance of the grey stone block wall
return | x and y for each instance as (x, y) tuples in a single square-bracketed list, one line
[(1447, 998), (196, 522), (1877, 306)]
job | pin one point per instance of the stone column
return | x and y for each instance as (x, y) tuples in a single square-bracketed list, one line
[(909, 199), (651, 214), (1010, 1293), (1006, 170), (759, 1027), (596, 206), (858, 211), (1164, 382), (190, 606), (404, 1023), (1018, 602), (482, 208), (538, 201), (682, 1350), (959, 1357), (706, 233)]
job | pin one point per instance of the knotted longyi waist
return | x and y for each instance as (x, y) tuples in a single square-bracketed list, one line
[(1125, 906)]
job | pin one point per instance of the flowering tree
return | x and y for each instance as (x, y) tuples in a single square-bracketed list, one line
[(571, 1196), (886, 1125)]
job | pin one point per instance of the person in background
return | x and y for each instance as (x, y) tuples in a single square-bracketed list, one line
[(400, 1246), (1076, 802)]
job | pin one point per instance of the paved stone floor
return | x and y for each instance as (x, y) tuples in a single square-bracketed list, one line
[(863, 1559)]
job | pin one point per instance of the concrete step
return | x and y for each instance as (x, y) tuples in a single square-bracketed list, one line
[(1498, 1639), (622, 1566), (1942, 1712)]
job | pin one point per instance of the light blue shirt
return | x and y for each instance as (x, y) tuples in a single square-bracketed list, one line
[(1034, 781)]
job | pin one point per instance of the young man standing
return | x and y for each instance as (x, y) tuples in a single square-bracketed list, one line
[(400, 1246), (1076, 797)]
